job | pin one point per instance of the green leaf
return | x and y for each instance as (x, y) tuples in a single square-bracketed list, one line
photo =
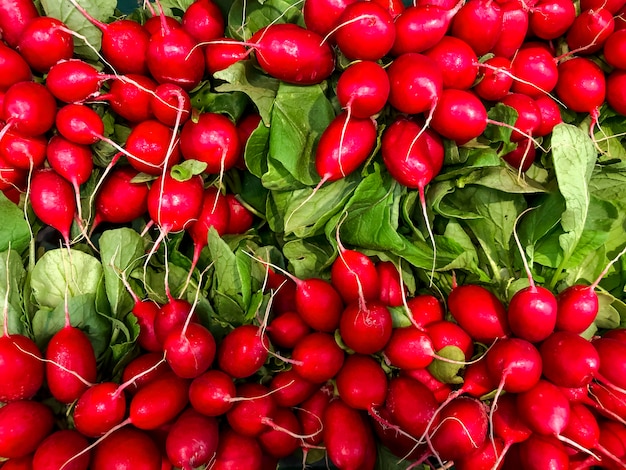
[(232, 104), (500, 113), (121, 251), (14, 229), (63, 10), (12, 276), (256, 150), (59, 271), (448, 372), (608, 317), (501, 178), (307, 259), (260, 13), (186, 170)]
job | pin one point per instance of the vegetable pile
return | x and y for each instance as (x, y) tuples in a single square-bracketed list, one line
[(262, 234)]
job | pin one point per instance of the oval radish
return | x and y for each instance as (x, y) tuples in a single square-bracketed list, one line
[(192, 440), (21, 374), (126, 448), (56, 450), (44, 42), (243, 351), (317, 357), (23, 425)]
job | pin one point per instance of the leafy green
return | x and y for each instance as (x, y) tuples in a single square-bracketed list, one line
[(12, 277), (14, 230)]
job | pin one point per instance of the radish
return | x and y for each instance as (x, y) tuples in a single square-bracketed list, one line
[(515, 23), (131, 97), (240, 218), (321, 16), (484, 12), (459, 115), (192, 440), (354, 275), (420, 27), (13, 68), (44, 42), (364, 31), (211, 138), (287, 329), (568, 359), (53, 201), (515, 364), (99, 409), (310, 414), (317, 357), (222, 53), (212, 393), (281, 442), (611, 353), (361, 383), (550, 115), (416, 83), (293, 54), (366, 327), (476, 379), (544, 409), (347, 437), (457, 61), (613, 439), (55, 450), (590, 30), (21, 151), (243, 351), (392, 288), (289, 389), (173, 314), (23, 425), (550, 19), (615, 95), (28, 108), (126, 448), (159, 401), (203, 21), (168, 102), (496, 79), (253, 413), (74, 80), (409, 348), (284, 290), (508, 424), (441, 391), (614, 49), (142, 370), (237, 451), (523, 156), (14, 17), (153, 24), (189, 350), (528, 115), (479, 312), (318, 303), (363, 89), (540, 452), (412, 405), (613, 6), (445, 333), (11, 178), (79, 124), (149, 145), (394, 7), (483, 458), (535, 71), (424, 309)]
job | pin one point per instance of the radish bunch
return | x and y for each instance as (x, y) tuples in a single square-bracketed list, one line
[(234, 236)]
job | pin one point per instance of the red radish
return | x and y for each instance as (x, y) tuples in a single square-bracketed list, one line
[(365, 31), (192, 440), (615, 49), (613, 438), (13, 68), (582, 427), (60, 446), (282, 441), (203, 21), (514, 29), (170, 316), (212, 393), (159, 401), (484, 12), (44, 42), (344, 145), (611, 353), (347, 437), (361, 383), (508, 424), (412, 405), (445, 333), (79, 124), (409, 348), (222, 53), (515, 364), (535, 71), (568, 359), (119, 200), (321, 16), (550, 115), (149, 145), (416, 83), (612, 5), (590, 30), (11, 178), (391, 287), (496, 79), (476, 379), (615, 95), (528, 115), (479, 312), (354, 275), (550, 19), (483, 458), (544, 408), (29, 108), (441, 391), (142, 370), (126, 448), (523, 156), (154, 24), (53, 200), (240, 218), (189, 350), (74, 80), (253, 413), (14, 17), (459, 115), (310, 414), (243, 351), (174, 204), (21, 373), (395, 7), (131, 97), (23, 425), (363, 88), (289, 389), (317, 357), (424, 309), (457, 61), (540, 452), (400, 444), (366, 327), (420, 27), (211, 138), (284, 291), (287, 330), (168, 102), (21, 151), (99, 409), (318, 303), (237, 451), (293, 54), (462, 428)]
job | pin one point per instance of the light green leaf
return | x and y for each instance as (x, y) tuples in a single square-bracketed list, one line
[(12, 276), (186, 170), (448, 372), (14, 229)]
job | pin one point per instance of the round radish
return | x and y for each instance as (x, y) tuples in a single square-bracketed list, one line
[(21, 373), (366, 327), (515, 364), (590, 30), (99, 409), (550, 19), (615, 50), (237, 451), (203, 21), (535, 71), (361, 383), (446, 333), (222, 53), (192, 440), (14, 17), (317, 357), (74, 80), (143, 370), (615, 95), (532, 313), (321, 16), (13, 68), (496, 80), (528, 115), (21, 151), (488, 15), (363, 88), (240, 218), (29, 108), (412, 405), (409, 348), (514, 29), (44, 42), (581, 85), (171, 315), (53, 201), (354, 276), (287, 329), (23, 425), (126, 448), (544, 408), (289, 389), (457, 61), (149, 145), (159, 401), (189, 350), (459, 115), (131, 97), (253, 412), (119, 200), (168, 102), (79, 124), (56, 450), (281, 442), (540, 452), (174, 204), (424, 309), (416, 83), (243, 351), (212, 393), (568, 359), (391, 287)]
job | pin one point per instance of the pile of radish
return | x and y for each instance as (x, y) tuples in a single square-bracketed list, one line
[(362, 234)]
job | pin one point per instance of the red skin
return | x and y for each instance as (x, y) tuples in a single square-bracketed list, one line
[(550, 19), (363, 88), (29, 108), (159, 401), (495, 84), (362, 382), (110, 207), (43, 43), (190, 351), (243, 351), (203, 20), (240, 218), (149, 143), (528, 115), (23, 425), (615, 91), (366, 329), (237, 451), (590, 30), (124, 45), (126, 448), (523, 156), (322, 16), (58, 448), (484, 12), (514, 30), (457, 60), (420, 27), (74, 80), (14, 17), (13, 68), (318, 357), (287, 329), (459, 116)]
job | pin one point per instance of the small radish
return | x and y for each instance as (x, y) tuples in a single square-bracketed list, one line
[(459, 115), (569, 360), (550, 19), (515, 20), (409, 348), (203, 21), (479, 312), (457, 61), (289, 389), (446, 333), (590, 30), (483, 458), (366, 327), (282, 441), (23, 425), (484, 12), (354, 275), (13, 68), (528, 115), (243, 351), (23, 152), (168, 102), (44, 42), (540, 452), (153, 24), (508, 424), (284, 290), (363, 88), (240, 218), (126, 448), (523, 156), (441, 391), (21, 373), (544, 408), (321, 16), (424, 309), (159, 401), (318, 303), (287, 329), (11, 178), (79, 124), (99, 409), (515, 364), (149, 146), (317, 357), (392, 288), (131, 97), (416, 83), (310, 414), (361, 383), (55, 450), (189, 350), (535, 71), (615, 50), (293, 54), (74, 80), (364, 31), (173, 314), (222, 53), (192, 440), (212, 393), (496, 79), (142, 370), (396, 7), (14, 17), (550, 115), (237, 451), (611, 353), (29, 108), (253, 413), (411, 405)]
